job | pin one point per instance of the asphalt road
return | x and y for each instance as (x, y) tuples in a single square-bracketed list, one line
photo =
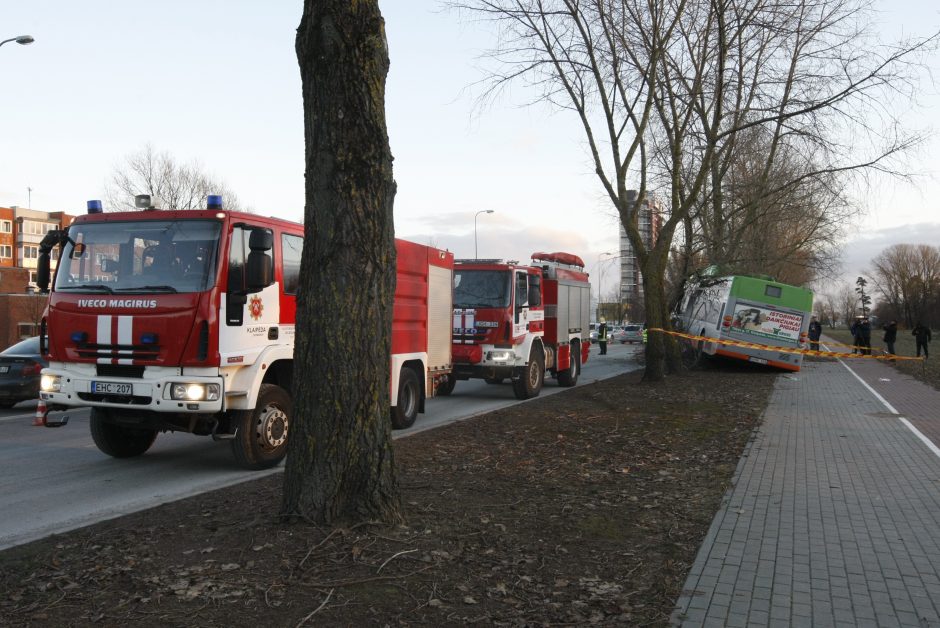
[(55, 480)]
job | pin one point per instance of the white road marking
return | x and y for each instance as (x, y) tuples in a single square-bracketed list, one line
[(892, 410)]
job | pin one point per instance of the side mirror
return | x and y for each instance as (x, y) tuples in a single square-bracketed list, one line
[(259, 268), (42, 271)]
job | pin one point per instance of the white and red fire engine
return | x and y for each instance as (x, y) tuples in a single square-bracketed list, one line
[(184, 321), (516, 322)]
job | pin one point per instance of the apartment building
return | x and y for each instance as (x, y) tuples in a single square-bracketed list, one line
[(21, 231), (649, 222)]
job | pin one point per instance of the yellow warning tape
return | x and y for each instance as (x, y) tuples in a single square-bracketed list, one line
[(754, 345)]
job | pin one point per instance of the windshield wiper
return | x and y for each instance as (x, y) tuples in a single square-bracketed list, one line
[(159, 288), (88, 286)]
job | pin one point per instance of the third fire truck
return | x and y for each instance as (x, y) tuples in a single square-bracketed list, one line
[(516, 322)]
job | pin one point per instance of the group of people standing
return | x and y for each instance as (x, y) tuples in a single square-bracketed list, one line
[(861, 333), (861, 336)]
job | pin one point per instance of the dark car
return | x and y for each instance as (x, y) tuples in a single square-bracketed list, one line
[(20, 369)]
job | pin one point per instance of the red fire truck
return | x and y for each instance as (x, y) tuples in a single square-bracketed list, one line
[(184, 321), (516, 322)]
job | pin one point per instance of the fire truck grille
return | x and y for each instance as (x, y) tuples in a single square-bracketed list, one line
[(118, 352), (470, 339), (131, 400)]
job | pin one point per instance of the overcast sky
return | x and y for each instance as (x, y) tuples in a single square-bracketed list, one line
[(218, 82)]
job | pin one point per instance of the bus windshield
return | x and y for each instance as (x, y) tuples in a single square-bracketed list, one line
[(481, 288), (139, 257)]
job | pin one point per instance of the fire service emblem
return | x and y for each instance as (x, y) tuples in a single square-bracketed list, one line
[(255, 307)]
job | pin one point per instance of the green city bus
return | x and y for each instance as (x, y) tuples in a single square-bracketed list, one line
[(744, 308)]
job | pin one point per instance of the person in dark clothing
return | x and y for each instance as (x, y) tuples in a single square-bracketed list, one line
[(602, 337), (922, 336), (864, 334), (855, 338), (815, 331), (891, 335)]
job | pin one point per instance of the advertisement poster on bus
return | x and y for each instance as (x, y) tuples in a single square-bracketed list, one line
[(764, 322)]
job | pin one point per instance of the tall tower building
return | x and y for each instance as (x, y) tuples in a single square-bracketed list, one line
[(649, 222)]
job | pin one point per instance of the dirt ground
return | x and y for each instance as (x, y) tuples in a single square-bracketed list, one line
[(581, 508)]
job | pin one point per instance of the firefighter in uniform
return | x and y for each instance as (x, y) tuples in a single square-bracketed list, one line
[(602, 336)]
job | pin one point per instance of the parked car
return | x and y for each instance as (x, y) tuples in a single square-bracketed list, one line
[(615, 334), (20, 369), (631, 334)]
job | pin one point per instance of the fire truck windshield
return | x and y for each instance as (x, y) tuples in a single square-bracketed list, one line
[(139, 257), (481, 288)]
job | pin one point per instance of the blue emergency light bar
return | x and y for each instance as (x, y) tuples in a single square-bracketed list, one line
[(94, 207), (214, 201)]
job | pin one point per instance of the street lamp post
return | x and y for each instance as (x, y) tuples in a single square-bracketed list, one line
[(600, 280), (476, 255), (21, 40)]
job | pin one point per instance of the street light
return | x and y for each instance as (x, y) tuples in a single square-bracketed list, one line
[(482, 211), (600, 279), (22, 40)]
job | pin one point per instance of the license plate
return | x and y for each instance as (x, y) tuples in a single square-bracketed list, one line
[(112, 388), (758, 360), (4, 369)]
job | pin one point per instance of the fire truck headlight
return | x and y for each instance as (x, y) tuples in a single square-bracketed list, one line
[(500, 356), (50, 383), (195, 392)]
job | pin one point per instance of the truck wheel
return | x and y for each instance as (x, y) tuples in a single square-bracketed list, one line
[(409, 396), (569, 377), (493, 381), (530, 384), (261, 434), (119, 441), (447, 386)]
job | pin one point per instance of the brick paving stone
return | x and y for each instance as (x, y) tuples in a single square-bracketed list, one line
[(833, 516)]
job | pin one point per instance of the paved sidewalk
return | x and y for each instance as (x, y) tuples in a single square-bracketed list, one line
[(834, 515)]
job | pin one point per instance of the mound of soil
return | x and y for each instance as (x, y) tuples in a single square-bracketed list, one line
[(585, 507)]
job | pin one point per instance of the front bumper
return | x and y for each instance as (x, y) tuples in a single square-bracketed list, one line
[(151, 392)]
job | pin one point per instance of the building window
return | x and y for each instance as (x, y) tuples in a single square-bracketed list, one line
[(30, 252), (6, 251), (32, 227), (26, 330), (6, 226)]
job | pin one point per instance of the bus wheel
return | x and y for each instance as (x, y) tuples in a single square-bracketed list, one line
[(530, 384), (409, 397), (692, 353), (569, 377), (119, 441), (261, 434)]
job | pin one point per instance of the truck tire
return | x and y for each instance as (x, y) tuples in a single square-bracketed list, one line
[(119, 441), (261, 434), (569, 377), (530, 384), (447, 386), (405, 411)]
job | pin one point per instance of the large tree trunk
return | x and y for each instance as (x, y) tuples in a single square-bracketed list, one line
[(340, 466)]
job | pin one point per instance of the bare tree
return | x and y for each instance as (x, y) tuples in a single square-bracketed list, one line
[(170, 184), (848, 303), (908, 279), (668, 91), (340, 465)]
